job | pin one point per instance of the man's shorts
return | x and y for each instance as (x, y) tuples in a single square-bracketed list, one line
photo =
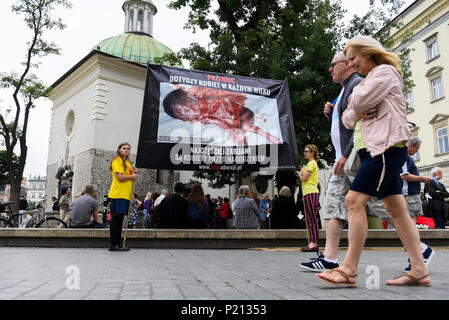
[(337, 189), (414, 205)]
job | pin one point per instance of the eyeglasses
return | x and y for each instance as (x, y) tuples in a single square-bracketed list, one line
[(333, 64), (307, 151)]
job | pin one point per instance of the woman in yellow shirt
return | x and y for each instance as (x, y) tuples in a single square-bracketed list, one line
[(123, 175), (311, 195)]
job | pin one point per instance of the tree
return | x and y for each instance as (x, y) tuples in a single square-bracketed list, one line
[(378, 22), (26, 87), (4, 168), (293, 40)]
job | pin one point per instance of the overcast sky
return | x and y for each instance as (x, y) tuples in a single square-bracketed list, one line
[(88, 23)]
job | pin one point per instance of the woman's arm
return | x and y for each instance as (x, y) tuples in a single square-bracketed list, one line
[(374, 88), (304, 175), (350, 116), (122, 178)]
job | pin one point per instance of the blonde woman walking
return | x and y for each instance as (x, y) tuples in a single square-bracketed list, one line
[(378, 102)]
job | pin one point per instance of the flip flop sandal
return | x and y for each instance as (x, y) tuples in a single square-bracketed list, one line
[(414, 281), (348, 283)]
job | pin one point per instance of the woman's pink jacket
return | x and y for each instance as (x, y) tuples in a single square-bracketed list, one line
[(382, 88)]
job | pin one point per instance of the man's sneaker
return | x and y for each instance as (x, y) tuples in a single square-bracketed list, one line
[(427, 255), (319, 264)]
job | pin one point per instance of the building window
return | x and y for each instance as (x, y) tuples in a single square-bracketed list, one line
[(69, 123), (432, 48), (140, 21), (437, 88), (442, 140)]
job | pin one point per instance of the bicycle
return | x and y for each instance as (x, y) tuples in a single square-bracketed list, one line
[(34, 219)]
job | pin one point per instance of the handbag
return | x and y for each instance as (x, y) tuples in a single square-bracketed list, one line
[(353, 163)]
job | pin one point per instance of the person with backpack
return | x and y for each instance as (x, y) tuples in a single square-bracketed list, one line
[(198, 208)]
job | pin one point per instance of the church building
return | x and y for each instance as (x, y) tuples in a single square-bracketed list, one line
[(97, 104)]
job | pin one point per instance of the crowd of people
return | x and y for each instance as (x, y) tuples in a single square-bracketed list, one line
[(193, 209)]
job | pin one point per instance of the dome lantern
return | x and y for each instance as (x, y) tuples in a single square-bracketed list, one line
[(139, 16)]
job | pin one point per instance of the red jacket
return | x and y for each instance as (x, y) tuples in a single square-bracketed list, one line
[(224, 208)]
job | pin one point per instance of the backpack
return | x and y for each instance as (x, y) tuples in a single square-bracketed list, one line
[(197, 215)]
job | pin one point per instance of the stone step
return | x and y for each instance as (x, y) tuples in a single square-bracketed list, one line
[(195, 239)]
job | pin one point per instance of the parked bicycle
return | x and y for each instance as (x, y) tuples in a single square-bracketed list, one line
[(33, 219)]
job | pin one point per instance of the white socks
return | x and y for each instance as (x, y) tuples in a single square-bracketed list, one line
[(331, 261)]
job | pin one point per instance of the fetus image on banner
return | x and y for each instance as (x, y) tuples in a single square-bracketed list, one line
[(221, 108)]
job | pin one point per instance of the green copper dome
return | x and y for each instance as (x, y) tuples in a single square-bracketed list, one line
[(137, 47)]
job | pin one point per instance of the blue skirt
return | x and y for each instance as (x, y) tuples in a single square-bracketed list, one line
[(119, 206), (368, 181)]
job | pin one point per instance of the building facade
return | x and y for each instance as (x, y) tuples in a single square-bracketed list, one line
[(5, 190), (425, 25), (36, 189)]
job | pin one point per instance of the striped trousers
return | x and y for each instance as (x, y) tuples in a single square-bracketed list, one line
[(311, 203)]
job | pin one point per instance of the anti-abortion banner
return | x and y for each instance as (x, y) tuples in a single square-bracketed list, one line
[(196, 120)]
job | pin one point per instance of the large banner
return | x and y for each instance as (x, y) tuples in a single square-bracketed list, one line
[(196, 120)]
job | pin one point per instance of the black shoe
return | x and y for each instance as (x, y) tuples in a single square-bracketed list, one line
[(428, 255), (117, 248), (318, 264)]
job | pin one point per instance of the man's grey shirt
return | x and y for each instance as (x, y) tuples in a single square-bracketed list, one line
[(82, 210), (347, 135)]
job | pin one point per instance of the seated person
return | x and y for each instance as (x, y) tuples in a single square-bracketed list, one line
[(84, 209)]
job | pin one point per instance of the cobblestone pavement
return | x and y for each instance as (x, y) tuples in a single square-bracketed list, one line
[(175, 274)]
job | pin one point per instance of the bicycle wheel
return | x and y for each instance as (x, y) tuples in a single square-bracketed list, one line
[(52, 222), (5, 223)]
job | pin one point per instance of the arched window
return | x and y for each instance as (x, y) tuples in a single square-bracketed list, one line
[(69, 123), (140, 21)]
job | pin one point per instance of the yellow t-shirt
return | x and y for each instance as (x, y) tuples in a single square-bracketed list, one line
[(121, 190), (311, 185), (359, 143)]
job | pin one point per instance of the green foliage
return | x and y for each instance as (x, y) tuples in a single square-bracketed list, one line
[(218, 180), (378, 22), (293, 40), (4, 167)]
